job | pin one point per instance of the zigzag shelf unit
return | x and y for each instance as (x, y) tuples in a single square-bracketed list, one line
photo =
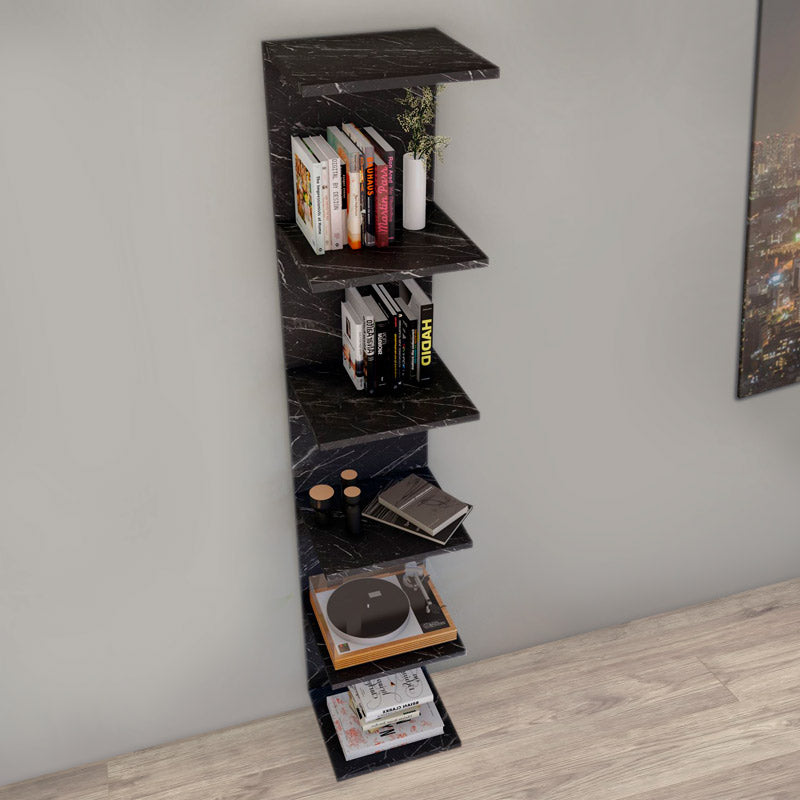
[(311, 83)]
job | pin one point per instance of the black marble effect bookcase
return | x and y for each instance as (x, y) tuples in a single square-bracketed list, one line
[(310, 84)]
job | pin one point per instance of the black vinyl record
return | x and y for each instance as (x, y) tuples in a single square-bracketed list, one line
[(368, 609)]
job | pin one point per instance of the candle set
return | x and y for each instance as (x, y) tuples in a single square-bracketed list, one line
[(323, 501)]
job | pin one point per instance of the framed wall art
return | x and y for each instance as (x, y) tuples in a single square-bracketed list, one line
[(769, 355)]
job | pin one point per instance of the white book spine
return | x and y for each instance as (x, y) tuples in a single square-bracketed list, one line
[(326, 206), (335, 178)]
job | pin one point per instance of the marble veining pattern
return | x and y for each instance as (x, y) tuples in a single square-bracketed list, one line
[(381, 544), (441, 247), (340, 416), (336, 65)]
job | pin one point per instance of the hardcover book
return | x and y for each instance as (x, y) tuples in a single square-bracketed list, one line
[(353, 345), (380, 513), (307, 175), (336, 184), (395, 344), (383, 723), (381, 203), (422, 503), (354, 168), (360, 310), (356, 742), (383, 357), (410, 345), (366, 147), (326, 189), (387, 153), (382, 696), (422, 307)]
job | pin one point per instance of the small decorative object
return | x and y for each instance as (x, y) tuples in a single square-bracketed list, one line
[(423, 147), (348, 477), (352, 512), (321, 496)]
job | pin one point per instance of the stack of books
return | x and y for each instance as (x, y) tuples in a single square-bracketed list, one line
[(417, 506), (387, 336), (383, 713), (344, 188)]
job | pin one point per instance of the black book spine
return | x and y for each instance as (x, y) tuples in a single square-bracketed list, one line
[(383, 356), (425, 343), (370, 362), (393, 344)]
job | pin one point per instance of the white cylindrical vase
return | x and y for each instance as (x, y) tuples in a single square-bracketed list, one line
[(414, 186)]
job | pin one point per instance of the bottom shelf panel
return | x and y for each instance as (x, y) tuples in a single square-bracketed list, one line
[(360, 766)]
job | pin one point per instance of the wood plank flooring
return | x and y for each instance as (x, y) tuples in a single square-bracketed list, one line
[(697, 704)]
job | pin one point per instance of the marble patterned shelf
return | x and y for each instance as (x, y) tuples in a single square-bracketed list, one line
[(332, 552), (441, 247), (326, 675), (360, 766), (331, 65), (340, 416)]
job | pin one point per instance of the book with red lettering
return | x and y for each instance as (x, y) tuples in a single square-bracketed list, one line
[(367, 148), (381, 203), (386, 152)]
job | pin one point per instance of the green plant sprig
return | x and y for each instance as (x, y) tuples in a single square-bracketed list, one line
[(419, 113)]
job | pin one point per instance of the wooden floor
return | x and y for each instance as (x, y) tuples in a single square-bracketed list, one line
[(698, 704)]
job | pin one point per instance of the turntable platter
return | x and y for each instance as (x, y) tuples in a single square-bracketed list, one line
[(368, 610)]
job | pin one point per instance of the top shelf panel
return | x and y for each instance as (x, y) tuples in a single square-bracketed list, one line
[(329, 65)]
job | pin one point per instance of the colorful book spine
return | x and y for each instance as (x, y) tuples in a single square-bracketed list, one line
[(326, 198), (387, 153), (422, 307), (307, 177), (368, 195), (381, 203)]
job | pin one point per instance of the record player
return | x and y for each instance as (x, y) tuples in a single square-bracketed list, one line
[(368, 617)]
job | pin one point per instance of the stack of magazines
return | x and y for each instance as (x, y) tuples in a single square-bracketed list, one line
[(417, 506), (383, 713)]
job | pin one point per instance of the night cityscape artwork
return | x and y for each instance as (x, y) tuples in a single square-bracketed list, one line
[(769, 354)]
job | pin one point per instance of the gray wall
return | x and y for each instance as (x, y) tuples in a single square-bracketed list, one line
[(147, 563)]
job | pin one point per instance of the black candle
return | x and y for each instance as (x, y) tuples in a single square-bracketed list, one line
[(352, 511), (321, 496)]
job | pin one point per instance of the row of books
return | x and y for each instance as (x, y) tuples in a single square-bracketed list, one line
[(387, 339), (384, 713), (344, 185)]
